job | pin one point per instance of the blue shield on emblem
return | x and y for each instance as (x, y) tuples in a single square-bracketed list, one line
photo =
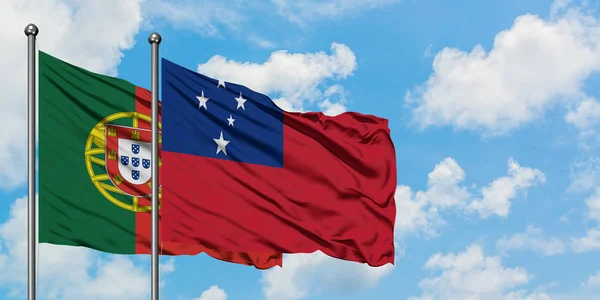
[(135, 161), (145, 163), (135, 174), (135, 149), (124, 160)]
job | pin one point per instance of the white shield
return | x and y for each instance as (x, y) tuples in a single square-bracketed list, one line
[(134, 161)]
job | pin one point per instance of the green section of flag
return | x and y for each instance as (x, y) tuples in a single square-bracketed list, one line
[(71, 209)]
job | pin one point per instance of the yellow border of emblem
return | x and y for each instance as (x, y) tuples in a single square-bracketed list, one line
[(97, 138)]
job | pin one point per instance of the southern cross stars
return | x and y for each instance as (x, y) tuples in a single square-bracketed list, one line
[(202, 101), (221, 144), (240, 100), (221, 141)]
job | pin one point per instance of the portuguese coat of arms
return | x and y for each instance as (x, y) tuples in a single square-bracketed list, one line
[(128, 159)]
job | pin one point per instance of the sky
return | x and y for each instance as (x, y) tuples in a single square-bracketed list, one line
[(493, 110)]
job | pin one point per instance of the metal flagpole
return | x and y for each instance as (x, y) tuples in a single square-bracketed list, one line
[(31, 32), (154, 39)]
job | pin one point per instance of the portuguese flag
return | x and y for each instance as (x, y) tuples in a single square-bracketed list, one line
[(94, 166)]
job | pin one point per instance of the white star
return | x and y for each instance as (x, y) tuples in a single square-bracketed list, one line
[(240, 102), (202, 100), (221, 143), (230, 120), (221, 83)]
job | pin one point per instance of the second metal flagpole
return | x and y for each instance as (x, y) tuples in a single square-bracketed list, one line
[(154, 41), (31, 32)]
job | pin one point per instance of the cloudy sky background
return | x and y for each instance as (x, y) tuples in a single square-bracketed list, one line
[(492, 105)]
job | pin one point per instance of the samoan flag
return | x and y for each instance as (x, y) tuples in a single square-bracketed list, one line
[(241, 174)]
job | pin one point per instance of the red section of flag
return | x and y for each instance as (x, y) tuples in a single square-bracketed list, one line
[(259, 259), (335, 193)]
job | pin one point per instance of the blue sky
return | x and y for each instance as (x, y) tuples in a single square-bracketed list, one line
[(493, 111)]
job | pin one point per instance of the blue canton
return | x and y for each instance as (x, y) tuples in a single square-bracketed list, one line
[(223, 121)]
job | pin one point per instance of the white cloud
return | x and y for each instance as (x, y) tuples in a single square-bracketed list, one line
[(261, 42), (335, 99), (533, 66), (443, 185), (213, 293), (295, 78), (304, 274), (445, 190), (559, 6), (585, 174), (331, 109), (308, 10), (420, 212), (71, 30), (590, 242), (532, 239), (593, 205), (415, 214), (586, 115), (497, 195), (202, 16), (593, 282), (524, 295), (472, 275), (68, 272)]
